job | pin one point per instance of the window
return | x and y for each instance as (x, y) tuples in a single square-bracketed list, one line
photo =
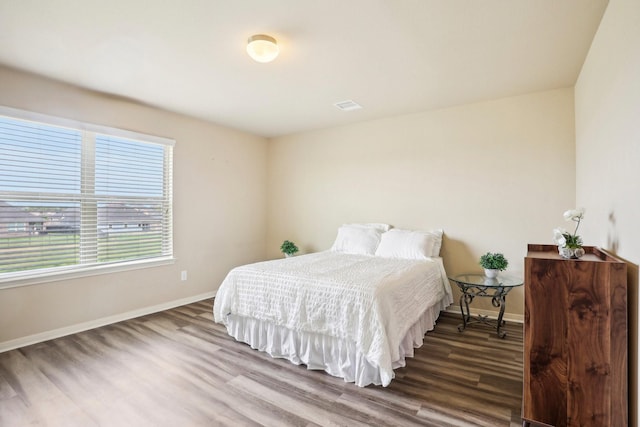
[(76, 197)]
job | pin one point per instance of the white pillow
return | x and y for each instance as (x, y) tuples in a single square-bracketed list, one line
[(437, 244), (410, 244), (377, 225), (357, 239)]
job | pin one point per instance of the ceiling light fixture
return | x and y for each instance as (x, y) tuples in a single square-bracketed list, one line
[(262, 48)]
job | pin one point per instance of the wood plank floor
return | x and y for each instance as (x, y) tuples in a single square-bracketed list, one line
[(179, 368)]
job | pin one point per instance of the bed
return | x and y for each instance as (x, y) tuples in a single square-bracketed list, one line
[(355, 311)]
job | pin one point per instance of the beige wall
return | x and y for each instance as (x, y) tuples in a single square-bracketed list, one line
[(219, 212), (608, 150), (494, 175)]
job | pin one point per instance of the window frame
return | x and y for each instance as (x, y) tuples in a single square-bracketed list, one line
[(30, 277)]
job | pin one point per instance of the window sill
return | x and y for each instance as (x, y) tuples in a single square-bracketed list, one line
[(49, 276)]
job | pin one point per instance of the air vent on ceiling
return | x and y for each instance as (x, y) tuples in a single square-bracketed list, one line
[(347, 105)]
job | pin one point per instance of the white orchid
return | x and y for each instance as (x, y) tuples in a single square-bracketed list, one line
[(562, 237), (574, 214), (558, 237)]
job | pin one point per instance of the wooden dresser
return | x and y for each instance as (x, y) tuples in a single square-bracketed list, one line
[(575, 339)]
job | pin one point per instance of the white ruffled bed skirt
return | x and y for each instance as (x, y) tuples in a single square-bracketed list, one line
[(338, 357)]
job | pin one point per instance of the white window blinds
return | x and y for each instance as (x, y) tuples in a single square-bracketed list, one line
[(77, 198)]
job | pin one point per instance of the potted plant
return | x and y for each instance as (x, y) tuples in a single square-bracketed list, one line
[(570, 245), (493, 263), (288, 248)]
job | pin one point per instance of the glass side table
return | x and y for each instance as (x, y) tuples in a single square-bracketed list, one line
[(478, 285)]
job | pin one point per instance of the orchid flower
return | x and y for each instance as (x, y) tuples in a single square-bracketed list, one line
[(562, 237), (558, 237)]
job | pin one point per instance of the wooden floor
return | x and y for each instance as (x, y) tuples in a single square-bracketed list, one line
[(179, 368)]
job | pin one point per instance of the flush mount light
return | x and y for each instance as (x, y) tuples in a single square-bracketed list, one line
[(262, 48)]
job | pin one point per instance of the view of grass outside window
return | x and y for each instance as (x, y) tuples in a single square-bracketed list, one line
[(72, 199)]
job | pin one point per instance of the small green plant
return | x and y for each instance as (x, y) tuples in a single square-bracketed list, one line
[(493, 261), (288, 248)]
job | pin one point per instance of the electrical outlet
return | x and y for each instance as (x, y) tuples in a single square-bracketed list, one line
[(183, 275)]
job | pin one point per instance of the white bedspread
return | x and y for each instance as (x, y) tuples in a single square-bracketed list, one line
[(371, 301)]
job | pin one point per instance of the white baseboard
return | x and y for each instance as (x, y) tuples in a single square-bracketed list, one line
[(509, 317), (85, 326)]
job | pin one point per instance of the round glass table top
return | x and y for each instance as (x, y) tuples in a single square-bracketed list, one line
[(482, 280)]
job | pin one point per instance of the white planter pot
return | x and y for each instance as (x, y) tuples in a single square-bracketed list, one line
[(491, 273), (571, 253)]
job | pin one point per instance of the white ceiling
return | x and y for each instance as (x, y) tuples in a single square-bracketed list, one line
[(390, 56)]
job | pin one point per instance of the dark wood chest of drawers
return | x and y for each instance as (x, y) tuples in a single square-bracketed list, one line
[(575, 339)]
